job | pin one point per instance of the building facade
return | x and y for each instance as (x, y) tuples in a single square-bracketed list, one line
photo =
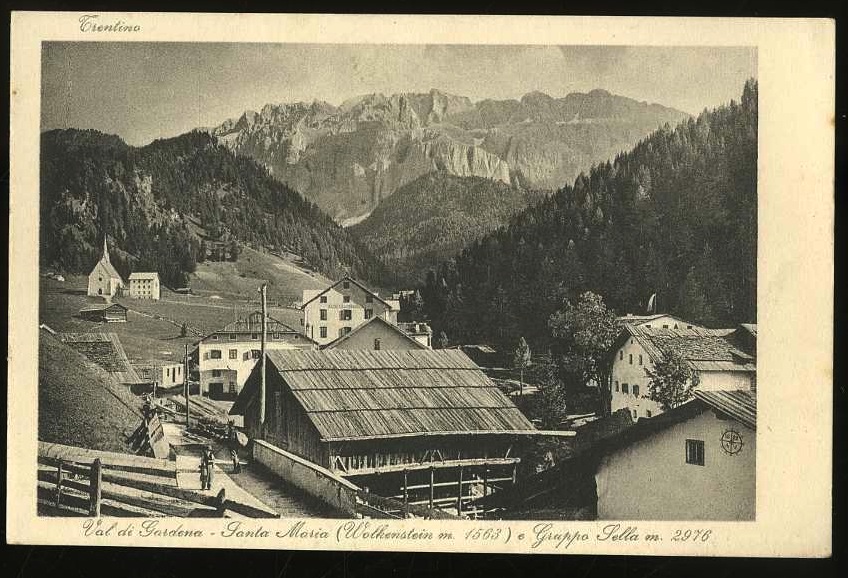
[(144, 286), (104, 280), (695, 462), (164, 374), (718, 363), (331, 313), (226, 357)]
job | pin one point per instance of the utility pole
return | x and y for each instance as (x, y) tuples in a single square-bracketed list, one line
[(186, 387), (264, 291)]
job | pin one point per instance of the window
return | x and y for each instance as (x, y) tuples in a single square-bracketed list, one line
[(215, 354), (675, 325), (245, 356), (323, 299), (688, 327), (215, 337), (695, 452), (322, 331), (640, 359), (625, 388), (665, 326), (346, 299), (167, 372), (635, 416), (345, 315), (346, 285), (369, 313), (377, 344), (616, 386), (620, 354), (233, 336), (254, 336), (631, 358), (635, 390), (647, 413), (255, 353), (216, 373), (323, 315), (233, 353), (233, 388), (369, 298), (344, 331)]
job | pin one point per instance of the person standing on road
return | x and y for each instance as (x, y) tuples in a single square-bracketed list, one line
[(204, 471), (210, 467)]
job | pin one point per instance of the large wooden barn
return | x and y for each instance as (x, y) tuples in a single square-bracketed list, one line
[(425, 426)]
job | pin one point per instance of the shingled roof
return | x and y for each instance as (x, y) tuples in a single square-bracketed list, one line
[(105, 350), (357, 395), (253, 324), (703, 349)]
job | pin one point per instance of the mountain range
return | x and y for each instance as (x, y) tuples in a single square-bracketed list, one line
[(349, 158)]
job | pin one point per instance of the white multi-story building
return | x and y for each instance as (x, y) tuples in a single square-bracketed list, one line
[(226, 357), (333, 312), (144, 286), (710, 353)]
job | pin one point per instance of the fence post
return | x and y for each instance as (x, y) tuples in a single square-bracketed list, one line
[(95, 478), (59, 484), (405, 495), (221, 500)]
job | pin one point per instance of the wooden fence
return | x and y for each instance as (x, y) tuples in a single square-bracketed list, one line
[(129, 486)]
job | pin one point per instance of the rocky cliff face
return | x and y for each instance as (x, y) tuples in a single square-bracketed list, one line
[(348, 158)]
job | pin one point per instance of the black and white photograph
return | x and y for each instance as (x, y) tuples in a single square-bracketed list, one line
[(286, 282)]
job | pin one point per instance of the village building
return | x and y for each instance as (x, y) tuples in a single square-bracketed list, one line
[(718, 363), (226, 357), (164, 374), (330, 313), (376, 334), (656, 321), (694, 462), (105, 313), (144, 286), (104, 280), (425, 426), (420, 332)]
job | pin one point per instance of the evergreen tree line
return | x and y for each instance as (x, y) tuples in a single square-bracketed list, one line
[(145, 200), (675, 216)]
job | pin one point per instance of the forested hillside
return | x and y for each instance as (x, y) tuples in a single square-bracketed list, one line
[(157, 202), (434, 217), (676, 216)]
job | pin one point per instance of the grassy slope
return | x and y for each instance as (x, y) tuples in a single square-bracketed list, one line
[(78, 403)]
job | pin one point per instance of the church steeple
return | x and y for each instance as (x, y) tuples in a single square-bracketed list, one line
[(105, 251)]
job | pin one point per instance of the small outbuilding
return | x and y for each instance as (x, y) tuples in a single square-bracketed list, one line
[(106, 313)]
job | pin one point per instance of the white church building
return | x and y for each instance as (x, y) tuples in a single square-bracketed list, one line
[(104, 280)]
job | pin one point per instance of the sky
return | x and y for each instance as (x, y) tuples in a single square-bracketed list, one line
[(145, 91)]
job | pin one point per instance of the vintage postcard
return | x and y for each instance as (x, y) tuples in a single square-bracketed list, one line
[(432, 283)]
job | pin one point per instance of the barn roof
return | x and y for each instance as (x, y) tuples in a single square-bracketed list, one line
[(703, 349), (378, 321), (741, 405), (356, 395), (105, 350), (102, 307)]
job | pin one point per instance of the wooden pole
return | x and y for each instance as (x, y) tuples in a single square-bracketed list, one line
[(485, 479), (459, 494), (405, 494), (185, 385), (59, 484), (514, 473), (95, 478), (432, 470), (264, 291)]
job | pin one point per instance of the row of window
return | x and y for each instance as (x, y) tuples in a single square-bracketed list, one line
[(625, 388), (253, 336), (621, 357), (648, 413), (233, 354), (322, 331), (346, 314)]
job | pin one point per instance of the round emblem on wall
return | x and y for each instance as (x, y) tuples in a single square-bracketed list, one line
[(731, 442)]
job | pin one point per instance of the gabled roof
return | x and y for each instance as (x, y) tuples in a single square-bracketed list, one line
[(374, 320), (102, 307), (739, 405), (253, 324), (343, 279), (358, 395), (703, 349), (652, 317), (105, 350), (143, 275), (110, 269)]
